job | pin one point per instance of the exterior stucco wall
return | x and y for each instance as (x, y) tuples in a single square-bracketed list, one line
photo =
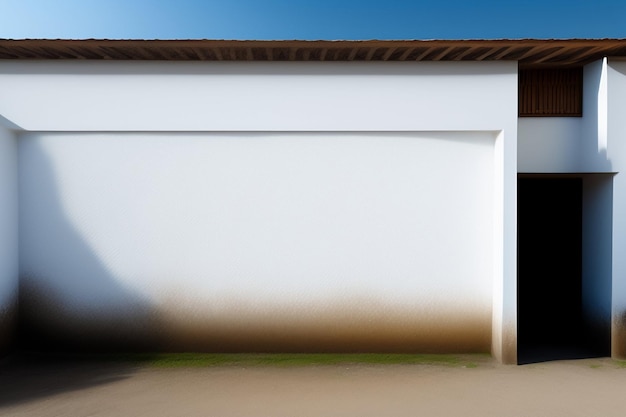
[(569, 144), (8, 237), (614, 150), (187, 96), (594, 128), (334, 269), (549, 144), (293, 241)]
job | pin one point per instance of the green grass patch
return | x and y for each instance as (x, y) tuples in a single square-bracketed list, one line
[(202, 360), (199, 360), (620, 363)]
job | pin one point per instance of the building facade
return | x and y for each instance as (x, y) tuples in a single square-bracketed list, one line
[(414, 196)]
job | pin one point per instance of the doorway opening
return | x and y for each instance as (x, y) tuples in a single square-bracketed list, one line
[(564, 274)]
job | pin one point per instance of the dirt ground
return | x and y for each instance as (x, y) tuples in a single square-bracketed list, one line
[(590, 387)]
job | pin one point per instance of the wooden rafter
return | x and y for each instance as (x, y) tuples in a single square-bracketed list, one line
[(445, 52), (405, 54), (323, 54), (370, 54), (463, 54), (389, 52), (352, 54), (423, 54)]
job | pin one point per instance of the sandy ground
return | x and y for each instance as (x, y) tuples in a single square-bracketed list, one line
[(590, 387)]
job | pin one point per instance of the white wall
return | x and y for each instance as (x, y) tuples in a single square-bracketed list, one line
[(594, 128), (8, 236), (549, 144), (569, 144), (268, 98), (241, 96), (616, 156), (282, 231)]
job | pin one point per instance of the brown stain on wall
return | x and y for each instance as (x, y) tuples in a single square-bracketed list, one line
[(331, 333), (509, 345), (618, 339), (350, 325)]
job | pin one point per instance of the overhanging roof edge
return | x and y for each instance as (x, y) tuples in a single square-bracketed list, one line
[(546, 52)]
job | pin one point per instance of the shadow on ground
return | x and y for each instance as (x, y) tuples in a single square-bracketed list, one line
[(554, 352), (26, 377)]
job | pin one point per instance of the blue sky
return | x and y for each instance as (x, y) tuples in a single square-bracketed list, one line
[(321, 19)]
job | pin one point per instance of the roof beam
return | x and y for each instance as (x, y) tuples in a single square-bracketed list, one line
[(463, 54), (551, 55), (370, 54), (353, 53), (388, 54), (444, 53), (491, 51), (406, 54), (504, 53), (423, 54)]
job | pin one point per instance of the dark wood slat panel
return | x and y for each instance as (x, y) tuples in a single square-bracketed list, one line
[(551, 92)]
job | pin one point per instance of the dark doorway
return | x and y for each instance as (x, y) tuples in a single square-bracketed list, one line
[(550, 312)]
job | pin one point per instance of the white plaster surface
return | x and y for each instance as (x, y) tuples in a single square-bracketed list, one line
[(141, 97), (504, 318), (246, 96), (570, 144), (549, 144), (260, 219), (594, 127), (616, 159), (8, 231)]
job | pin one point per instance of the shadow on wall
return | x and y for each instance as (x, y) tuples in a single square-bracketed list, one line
[(71, 301), (8, 234), (68, 300), (45, 324), (8, 317)]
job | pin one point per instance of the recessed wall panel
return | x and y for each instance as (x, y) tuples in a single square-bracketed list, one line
[(259, 241)]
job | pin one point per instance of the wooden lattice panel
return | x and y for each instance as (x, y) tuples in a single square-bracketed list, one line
[(551, 92)]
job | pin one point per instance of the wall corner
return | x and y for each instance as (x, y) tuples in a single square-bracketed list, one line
[(504, 313), (8, 238)]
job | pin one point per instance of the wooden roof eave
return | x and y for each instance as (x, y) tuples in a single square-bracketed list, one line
[(528, 52)]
